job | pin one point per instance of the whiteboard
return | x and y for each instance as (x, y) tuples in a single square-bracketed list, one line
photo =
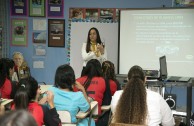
[(78, 35)]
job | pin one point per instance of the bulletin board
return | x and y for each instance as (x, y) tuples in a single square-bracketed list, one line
[(78, 35)]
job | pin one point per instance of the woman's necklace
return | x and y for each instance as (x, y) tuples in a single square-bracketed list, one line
[(93, 46)]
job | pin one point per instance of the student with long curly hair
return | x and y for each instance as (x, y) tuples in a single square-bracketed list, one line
[(138, 105)]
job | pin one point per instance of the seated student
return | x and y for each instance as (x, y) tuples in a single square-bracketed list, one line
[(5, 83), (108, 70), (96, 87), (138, 105), (27, 98), (10, 71), (65, 98), (17, 118), (21, 68)]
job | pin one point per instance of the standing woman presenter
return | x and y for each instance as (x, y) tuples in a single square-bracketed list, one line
[(93, 48)]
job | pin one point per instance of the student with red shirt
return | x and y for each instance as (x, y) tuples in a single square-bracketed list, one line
[(5, 83), (95, 85), (108, 70), (27, 96)]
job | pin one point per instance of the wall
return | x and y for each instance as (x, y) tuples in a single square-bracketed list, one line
[(57, 56)]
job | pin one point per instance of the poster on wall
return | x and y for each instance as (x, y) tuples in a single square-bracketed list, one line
[(56, 32), (39, 37), (19, 32), (105, 15), (183, 3), (76, 13), (37, 8), (39, 24), (55, 8), (19, 7)]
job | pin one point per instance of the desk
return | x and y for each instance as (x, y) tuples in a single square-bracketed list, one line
[(44, 88), (6, 102), (82, 115), (189, 86)]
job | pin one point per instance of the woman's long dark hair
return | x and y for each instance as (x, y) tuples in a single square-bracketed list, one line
[(5, 65), (10, 65), (27, 90), (93, 69), (98, 39), (3, 71), (132, 106), (65, 77)]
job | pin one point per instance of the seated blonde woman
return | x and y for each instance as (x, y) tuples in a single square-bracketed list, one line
[(21, 68)]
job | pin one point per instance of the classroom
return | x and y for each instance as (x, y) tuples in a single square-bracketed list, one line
[(49, 35)]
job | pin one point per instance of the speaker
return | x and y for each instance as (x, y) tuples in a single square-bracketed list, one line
[(171, 100)]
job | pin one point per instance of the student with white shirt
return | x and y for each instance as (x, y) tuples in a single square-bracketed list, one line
[(138, 105)]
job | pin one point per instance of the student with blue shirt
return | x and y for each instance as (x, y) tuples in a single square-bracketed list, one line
[(65, 98)]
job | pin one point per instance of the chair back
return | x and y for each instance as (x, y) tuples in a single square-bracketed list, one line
[(65, 117)]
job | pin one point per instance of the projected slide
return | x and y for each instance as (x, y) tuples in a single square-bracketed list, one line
[(147, 34)]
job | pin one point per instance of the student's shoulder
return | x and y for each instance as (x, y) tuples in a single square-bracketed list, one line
[(119, 92), (153, 94)]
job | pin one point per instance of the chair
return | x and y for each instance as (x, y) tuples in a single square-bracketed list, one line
[(66, 118), (105, 108), (104, 117), (123, 124)]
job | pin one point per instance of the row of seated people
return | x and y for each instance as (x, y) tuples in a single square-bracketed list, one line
[(11, 71), (96, 88), (69, 94)]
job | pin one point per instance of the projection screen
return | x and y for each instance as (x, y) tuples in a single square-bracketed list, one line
[(147, 34)]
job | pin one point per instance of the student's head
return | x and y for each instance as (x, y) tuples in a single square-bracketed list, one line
[(17, 118), (28, 90), (65, 77), (93, 36), (132, 106), (3, 71), (93, 69), (108, 70), (136, 71), (10, 67), (18, 58), (6, 69)]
